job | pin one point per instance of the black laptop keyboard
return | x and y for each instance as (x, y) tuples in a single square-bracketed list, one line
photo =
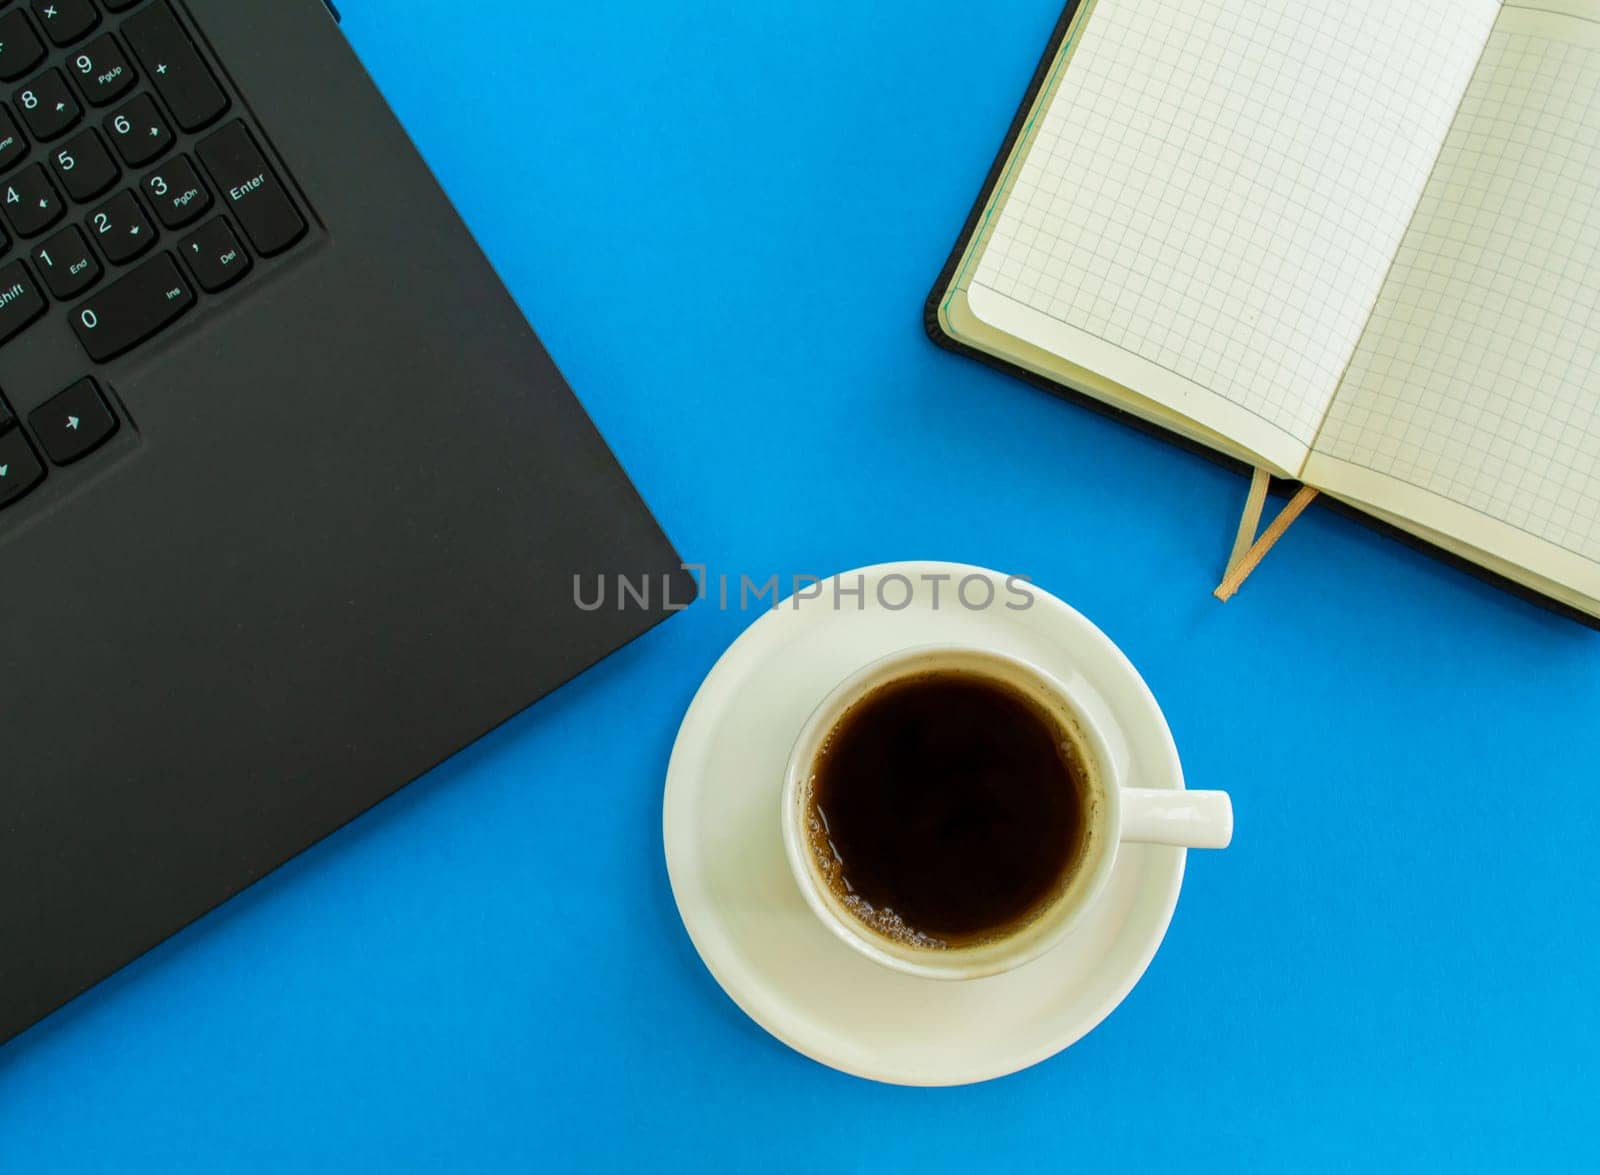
[(130, 188)]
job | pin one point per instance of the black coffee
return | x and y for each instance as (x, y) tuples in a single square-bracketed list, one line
[(948, 809)]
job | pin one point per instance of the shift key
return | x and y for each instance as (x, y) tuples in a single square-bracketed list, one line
[(250, 188), (130, 310), (20, 299)]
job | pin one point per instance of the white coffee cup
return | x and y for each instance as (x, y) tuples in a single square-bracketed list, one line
[(1118, 813)]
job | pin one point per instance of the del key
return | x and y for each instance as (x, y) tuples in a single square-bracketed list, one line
[(129, 311)]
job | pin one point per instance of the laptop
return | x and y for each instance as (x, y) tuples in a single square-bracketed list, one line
[(292, 501)]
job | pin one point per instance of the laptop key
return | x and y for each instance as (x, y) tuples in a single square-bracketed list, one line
[(251, 190), (84, 166), (176, 192), (20, 470), (215, 256), (131, 309), (20, 299), (139, 132), (65, 21), (102, 71), (31, 202), (20, 47), (48, 106), (120, 228), (67, 263), (13, 147), (73, 423), (175, 67)]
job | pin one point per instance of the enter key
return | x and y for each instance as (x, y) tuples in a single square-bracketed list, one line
[(251, 189)]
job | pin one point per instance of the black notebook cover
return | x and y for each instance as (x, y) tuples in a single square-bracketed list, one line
[(937, 333)]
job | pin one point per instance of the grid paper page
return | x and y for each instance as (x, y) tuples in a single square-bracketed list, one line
[(1219, 186), (1479, 377)]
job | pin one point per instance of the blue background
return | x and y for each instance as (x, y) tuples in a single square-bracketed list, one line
[(723, 218)]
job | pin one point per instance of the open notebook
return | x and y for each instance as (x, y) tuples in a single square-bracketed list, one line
[(1353, 244)]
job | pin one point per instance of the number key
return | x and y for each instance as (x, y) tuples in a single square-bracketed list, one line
[(102, 70), (67, 264), (131, 309), (84, 166), (120, 228), (47, 105), (31, 202), (139, 132), (176, 192)]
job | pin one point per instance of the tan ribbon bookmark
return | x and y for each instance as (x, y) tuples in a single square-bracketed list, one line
[(1248, 550)]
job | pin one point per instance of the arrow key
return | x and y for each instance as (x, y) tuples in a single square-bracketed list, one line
[(47, 105), (120, 228), (138, 131), (30, 201), (20, 470), (73, 423)]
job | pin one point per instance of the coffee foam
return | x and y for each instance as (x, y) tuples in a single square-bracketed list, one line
[(830, 867)]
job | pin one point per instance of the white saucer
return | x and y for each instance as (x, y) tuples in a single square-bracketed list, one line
[(745, 913)]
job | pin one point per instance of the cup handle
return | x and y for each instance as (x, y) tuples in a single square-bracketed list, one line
[(1165, 816)]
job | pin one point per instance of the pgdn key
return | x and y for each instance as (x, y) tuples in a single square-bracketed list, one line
[(127, 312)]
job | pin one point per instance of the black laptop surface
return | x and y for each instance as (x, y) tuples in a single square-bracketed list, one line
[(291, 497)]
